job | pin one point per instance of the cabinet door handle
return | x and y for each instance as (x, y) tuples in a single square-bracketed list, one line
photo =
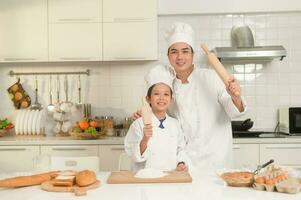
[(19, 59), (74, 19), (130, 58), (69, 149), (117, 148), (75, 58), (124, 19), (236, 147), (275, 147), (14, 149)]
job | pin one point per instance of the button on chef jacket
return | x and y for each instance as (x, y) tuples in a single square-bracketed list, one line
[(204, 110), (165, 148)]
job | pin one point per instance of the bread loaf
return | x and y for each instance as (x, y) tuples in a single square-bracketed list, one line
[(22, 181), (84, 178), (62, 180)]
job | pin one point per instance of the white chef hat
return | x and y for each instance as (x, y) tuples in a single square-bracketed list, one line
[(159, 74), (180, 32)]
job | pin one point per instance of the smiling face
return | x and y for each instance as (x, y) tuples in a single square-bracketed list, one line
[(159, 97), (180, 56)]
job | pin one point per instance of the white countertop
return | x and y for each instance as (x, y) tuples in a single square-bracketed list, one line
[(52, 140), (205, 187)]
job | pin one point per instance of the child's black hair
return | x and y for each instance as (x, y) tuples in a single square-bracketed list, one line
[(150, 89)]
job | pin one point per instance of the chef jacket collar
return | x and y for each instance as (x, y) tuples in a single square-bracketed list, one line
[(156, 122), (191, 77)]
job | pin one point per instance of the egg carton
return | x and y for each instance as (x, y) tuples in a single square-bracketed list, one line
[(290, 186)]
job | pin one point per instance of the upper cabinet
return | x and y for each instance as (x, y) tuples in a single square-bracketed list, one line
[(130, 10), (78, 30), (74, 11), (230, 6), (130, 30), (23, 35), (75, 30)]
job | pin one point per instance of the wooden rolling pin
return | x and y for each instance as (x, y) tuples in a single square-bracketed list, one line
[(146, 112), (218, 67)]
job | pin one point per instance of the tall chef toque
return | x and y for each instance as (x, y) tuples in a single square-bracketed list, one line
[(159, 74), (180, 32)]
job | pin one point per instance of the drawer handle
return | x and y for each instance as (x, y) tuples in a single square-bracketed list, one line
[(117, 149), (129, 58), (283, 147), (236, 148), (74, 19), (69, 149), (14, 149), (19, 59), (75, 58), (131, 19)]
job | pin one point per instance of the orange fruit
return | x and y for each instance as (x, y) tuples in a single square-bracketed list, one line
[(93, 124), (83, 124)]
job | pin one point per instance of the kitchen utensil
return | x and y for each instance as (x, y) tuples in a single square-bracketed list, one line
[(36, 105), (79, 103), (263, 166), (241, 36), (242, 125), (47, 186), (217, 66), (51, 106), (125, 177), (87, 110), (146, 112)]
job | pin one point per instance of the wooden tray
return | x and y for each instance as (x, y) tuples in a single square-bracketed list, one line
[(125, 177), (79, 191)]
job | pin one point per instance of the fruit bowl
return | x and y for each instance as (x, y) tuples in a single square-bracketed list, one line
[(85, 136), (86, 130), (5, 126)]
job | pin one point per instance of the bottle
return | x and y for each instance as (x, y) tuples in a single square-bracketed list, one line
[(146, 112)]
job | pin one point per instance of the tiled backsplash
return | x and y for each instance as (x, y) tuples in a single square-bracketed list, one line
[(116, 87)]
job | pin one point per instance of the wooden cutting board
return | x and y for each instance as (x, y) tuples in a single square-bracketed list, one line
[(125, 177), (79, 191)]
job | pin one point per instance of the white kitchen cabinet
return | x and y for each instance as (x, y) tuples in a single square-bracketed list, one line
[(23, 35), (18, 158), (70, 150), (130, 10), (230, 6), (109, 157), (130, 41), (62, 11), (283, 154), (75, 42), (245, 155)]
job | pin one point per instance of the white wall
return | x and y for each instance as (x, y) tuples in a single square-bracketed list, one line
[(116, 87), (228, 6)]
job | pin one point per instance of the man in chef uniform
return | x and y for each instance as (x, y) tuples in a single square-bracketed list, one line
[(203, 104)]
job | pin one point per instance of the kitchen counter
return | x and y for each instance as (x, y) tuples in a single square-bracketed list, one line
[(204, 186), (52, 140)]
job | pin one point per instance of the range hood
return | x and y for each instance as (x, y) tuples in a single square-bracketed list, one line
[(243, 49)]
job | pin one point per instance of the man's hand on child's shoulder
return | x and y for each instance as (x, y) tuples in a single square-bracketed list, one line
[(136, 115), (182, 167)]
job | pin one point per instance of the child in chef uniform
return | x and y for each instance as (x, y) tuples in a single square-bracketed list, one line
[(159, 145)]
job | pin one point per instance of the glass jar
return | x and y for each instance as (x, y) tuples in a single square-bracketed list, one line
[(108, 123)]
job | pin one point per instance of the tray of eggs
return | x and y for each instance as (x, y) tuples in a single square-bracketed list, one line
[(276, 179)]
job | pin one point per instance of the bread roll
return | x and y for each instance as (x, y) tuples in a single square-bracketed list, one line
[(84, 178), (22, 181)]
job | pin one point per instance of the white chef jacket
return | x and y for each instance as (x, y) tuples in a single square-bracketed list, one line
[(164, 149), (204, 110)]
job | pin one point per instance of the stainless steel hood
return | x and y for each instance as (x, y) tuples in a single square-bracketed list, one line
[(243, 49), (256, 53)]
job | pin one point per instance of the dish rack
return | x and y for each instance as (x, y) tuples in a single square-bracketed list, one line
[(30, 122)]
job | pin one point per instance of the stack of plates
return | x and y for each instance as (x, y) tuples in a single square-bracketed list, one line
[(30, 122)]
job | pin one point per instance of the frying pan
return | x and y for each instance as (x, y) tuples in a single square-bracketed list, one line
[(242, 125)]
